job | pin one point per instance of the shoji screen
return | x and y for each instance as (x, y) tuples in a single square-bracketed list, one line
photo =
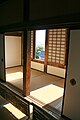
[(56, 47), (32, 37)]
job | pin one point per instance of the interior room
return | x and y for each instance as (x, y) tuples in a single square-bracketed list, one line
[(58, 58), (48, 63)]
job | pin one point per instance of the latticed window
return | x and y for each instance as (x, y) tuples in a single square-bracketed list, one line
[(56, 47), (32, 37)]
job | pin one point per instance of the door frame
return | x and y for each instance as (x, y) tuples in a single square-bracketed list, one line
[(67, 51), (25, 48)]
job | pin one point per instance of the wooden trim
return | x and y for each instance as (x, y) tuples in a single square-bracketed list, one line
[(56, 64), (38, 61), (65, 117), (71, 21), (67, 56), (4, 57), (66, 46), (56, 45), (22, 41), (13, 66), (16, 33), (46, 52), (40, 113), (15, 99), (34, 44), (27, 62)]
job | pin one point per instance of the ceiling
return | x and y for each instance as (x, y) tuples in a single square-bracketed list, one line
[(2, 1)]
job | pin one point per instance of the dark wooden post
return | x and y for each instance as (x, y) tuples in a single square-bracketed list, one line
[(26, 62), (46, 52), (34, 44), (22, 39)]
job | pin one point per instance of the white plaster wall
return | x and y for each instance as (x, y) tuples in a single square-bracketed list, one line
[(12, 51), (56, 71), (37, 66), (50, 69)]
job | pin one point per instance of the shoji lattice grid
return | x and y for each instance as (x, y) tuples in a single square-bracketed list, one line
[(56, 47), (32, 37)]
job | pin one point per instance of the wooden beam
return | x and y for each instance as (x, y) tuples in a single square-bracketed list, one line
[(22, 40), (26, 62), (46, 52), (26, 10), (34, 44), (15, 99), (19, 33)]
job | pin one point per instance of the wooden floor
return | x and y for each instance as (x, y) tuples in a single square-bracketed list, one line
[(46, 90), (9, 112)]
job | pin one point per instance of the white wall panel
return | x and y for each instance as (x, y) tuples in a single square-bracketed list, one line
[(56, 71), (37, 66), (50, 69), (12, 51)]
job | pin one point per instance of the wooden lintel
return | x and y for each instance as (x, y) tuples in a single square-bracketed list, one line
[(26, 62)]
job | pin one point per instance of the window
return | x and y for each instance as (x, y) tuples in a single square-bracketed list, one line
[(40, 44), (32, 43), (56, 47)]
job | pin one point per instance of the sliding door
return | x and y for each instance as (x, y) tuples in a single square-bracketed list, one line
[(2, 63), (71, 107)]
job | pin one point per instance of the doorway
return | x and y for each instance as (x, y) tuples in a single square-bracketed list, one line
[(13, 58), (51, 81), (48, 85)]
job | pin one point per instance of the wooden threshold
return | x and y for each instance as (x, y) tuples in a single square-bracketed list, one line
[(15, 98)]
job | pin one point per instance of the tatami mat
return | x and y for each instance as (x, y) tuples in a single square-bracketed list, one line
[(45, 89)]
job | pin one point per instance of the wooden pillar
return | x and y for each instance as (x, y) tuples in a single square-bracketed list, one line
[(22, 40), (33, 44), (46, 52), (26, 62)]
